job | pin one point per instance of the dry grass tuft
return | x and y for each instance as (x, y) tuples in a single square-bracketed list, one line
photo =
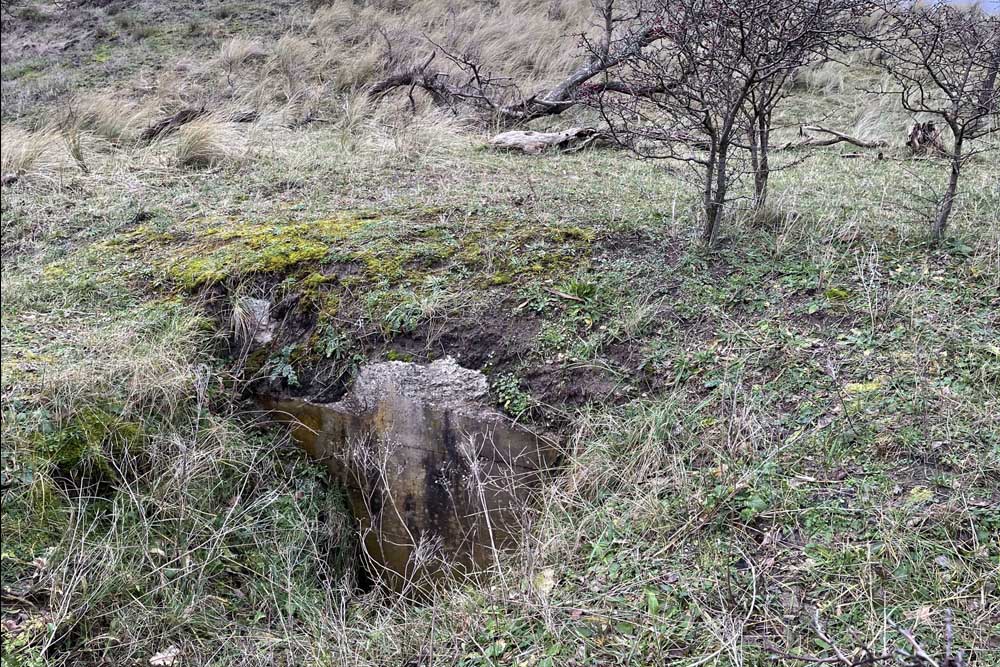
[(237, 52), (208, 142), (39, 153), (880, 120), (414, 137), (333, 19), (290, 61), (360, 68), (529, 41), (825, 78), (119, 121)]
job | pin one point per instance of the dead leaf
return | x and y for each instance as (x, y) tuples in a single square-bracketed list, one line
[(943, 562), (545, 581), (921, 615), (166, 657)]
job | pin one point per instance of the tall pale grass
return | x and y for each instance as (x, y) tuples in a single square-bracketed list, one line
[(530, 41), (824, 78), (238, 51), (42, 153), (291, 62), (208, 142), (113, 118)]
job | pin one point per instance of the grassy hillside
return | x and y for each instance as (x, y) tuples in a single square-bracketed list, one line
[(788, 445)]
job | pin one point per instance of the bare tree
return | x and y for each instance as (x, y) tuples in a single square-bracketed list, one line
[(790, 35), (943, 61), (709, 81)]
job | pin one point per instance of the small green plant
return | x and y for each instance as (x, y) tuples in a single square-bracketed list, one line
[(514, 400), (19, 651), (837, 294), (336, 344), (404, 317), (581, 297), (552, 336), (280, 367), (581, 289), (102, 53), (536, 299)]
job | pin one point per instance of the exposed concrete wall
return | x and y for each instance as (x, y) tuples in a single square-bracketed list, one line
[(435, 476)]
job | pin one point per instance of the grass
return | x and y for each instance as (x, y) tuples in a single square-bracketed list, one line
[(206, 142), (113, 119), (798, 426), (238, 51), (35, 153)]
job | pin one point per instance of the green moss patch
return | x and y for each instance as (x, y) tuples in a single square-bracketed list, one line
[(357, 273), (391, 250), (82, 443), (212, 254)]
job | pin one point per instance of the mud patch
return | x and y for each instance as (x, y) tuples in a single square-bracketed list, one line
[(568, 387)]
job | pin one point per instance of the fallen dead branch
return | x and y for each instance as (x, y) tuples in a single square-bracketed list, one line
[(473, 86), (173, 122), (564, 295), (170, 124), (833, 137)]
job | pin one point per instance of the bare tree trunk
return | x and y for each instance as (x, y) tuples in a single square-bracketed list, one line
[(764, 173), (716, 185), (709, 202), (940, 223), (989, 86), (987, 97), (759, 150)]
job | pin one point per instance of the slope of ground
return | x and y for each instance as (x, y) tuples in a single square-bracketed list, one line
[(783, 446)]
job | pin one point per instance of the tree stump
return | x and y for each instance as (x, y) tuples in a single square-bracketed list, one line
[(925, 139)]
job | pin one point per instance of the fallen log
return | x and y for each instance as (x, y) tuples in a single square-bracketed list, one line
[(879, 156), (473, 86), (170, 124), (532, 143)]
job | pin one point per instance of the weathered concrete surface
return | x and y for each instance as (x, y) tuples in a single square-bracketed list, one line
[(260, 325), (435, 477)]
